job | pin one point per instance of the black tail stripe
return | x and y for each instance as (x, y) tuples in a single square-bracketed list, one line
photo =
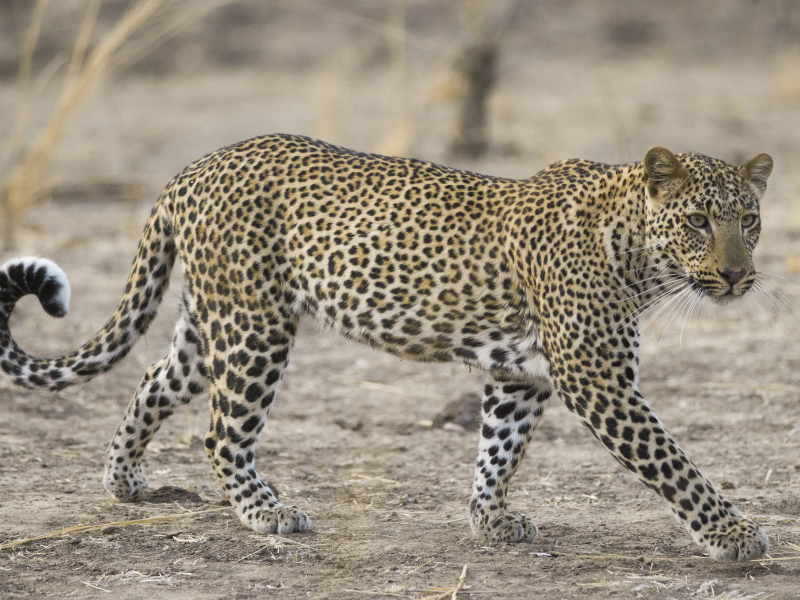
[(38, 278), (17, 274)]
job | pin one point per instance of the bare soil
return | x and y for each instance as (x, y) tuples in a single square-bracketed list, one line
[(351, 437)]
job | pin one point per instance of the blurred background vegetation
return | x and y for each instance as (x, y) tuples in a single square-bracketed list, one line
[(109, 102)]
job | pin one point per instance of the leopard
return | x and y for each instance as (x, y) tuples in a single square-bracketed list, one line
[(540, 282)]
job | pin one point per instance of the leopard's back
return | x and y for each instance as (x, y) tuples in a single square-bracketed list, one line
[(407, 256)]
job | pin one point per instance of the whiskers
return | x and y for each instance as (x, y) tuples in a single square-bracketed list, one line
[(684, 300), (659, 292), (661, 285), (646, 248), (770, 300), (638, 284)]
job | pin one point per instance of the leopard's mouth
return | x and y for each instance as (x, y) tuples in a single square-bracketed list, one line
[(720, 293), (731, 295), (726, 298)]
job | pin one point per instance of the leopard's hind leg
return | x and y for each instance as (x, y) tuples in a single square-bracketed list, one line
[(245, 370), (172, 381), (511, 411)]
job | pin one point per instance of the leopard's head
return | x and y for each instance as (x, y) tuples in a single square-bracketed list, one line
[(703, 220)]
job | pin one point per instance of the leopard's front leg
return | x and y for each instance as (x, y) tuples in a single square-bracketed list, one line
[(511, 411), (608, 402)]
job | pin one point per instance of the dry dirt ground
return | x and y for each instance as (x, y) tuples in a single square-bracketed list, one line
[(350, 437)]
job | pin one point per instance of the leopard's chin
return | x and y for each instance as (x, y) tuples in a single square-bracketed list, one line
[(725, 299)]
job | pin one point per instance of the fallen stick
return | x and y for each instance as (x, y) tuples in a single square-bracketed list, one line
[(85, 528), (452, 593), (461, 581)]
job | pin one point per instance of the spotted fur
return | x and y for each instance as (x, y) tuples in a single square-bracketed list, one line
[(540, 282)]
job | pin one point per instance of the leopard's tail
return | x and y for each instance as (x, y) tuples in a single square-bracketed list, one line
[(146, 285)]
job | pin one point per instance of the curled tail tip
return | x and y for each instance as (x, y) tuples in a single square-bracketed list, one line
[(38, 276)]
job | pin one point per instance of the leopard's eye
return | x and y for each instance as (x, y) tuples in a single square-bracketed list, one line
[(748, 220), (699, 221)]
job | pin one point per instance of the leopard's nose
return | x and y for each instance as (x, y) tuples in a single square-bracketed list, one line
[(732, 277)]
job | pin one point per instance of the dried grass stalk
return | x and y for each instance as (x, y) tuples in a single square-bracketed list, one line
[(27, 182), (161, 29), (87, 528), (24, 78), (451, 592)]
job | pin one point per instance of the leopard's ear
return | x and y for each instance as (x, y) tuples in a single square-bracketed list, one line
[(756, 171), (665, 173)]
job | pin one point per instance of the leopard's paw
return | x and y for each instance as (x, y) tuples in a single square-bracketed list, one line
[(739, 539), (127, 485), (502, 526), (280, 519)]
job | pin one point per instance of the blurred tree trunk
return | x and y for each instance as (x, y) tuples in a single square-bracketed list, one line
[(477, 66)]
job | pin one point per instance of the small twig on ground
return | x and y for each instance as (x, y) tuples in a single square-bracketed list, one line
[(275, 542), (264, 547), (461, 581), (183, 508), (91, 585), (86, 528), (452, 593), (414, 570), (380, 479), (393, 595), (289, 541), (780, 558)]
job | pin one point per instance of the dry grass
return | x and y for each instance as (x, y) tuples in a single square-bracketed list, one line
[(453, 592), (166, 23), (27, 183), (101, 526), (401, 591), (28, 47)]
